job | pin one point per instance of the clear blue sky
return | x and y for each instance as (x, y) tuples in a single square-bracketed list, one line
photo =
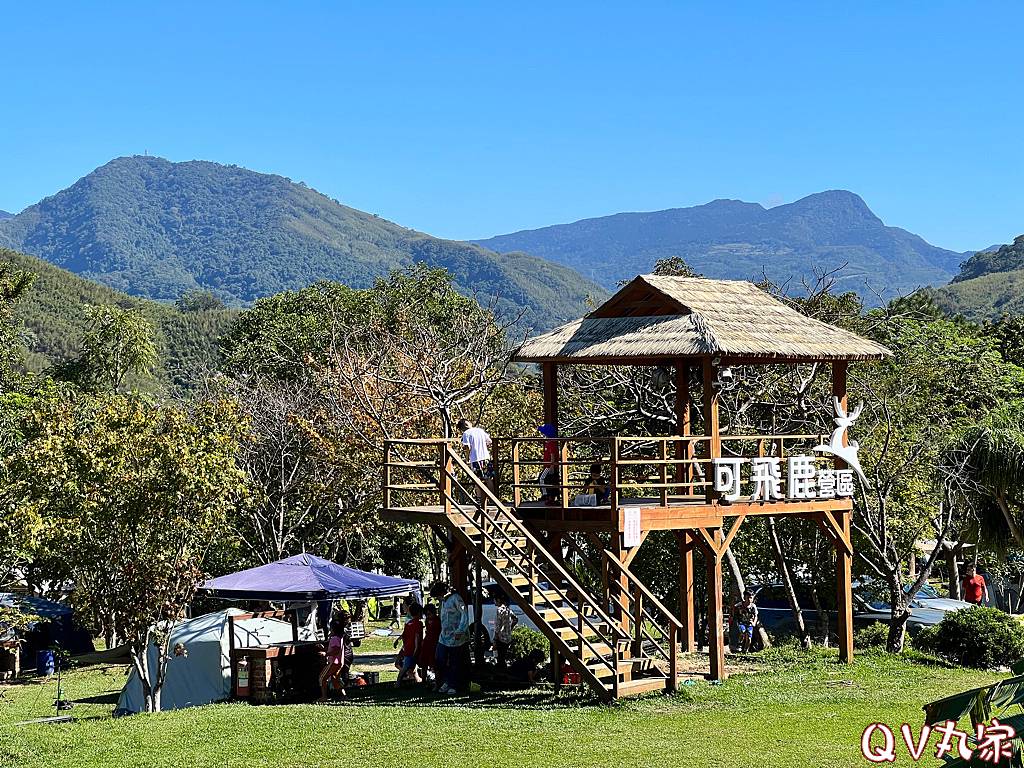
[(468, 120)]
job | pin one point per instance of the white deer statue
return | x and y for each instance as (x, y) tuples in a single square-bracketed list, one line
[(835, 447)]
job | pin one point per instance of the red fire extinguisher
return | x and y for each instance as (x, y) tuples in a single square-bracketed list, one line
[(242, 678)]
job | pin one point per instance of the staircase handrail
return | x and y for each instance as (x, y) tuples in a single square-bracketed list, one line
[(525, 532), (609, 663)]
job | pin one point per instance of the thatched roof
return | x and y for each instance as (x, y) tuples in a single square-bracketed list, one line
[(659, 317)]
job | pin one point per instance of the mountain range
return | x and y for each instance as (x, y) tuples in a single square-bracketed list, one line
[(833, 230), (990, 284), (155, 229), (5, 215)]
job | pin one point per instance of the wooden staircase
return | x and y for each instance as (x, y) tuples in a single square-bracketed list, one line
[(621, 643)]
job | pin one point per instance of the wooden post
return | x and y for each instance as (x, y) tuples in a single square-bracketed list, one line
[(445, 478), (550, 373), (687, 612), (844, 559), (563, 477), (663, 472), (716, 650), (459, 564), (478, 612), (613, 478), (621, 589), (638, 625), (517, 492), (387, 476), (684, 448), (711, 424), (844, 591)]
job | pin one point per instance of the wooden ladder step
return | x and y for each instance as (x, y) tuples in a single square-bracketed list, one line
[(542, 596), (602, 670), (554, 615), (642, 685), (583, 650)]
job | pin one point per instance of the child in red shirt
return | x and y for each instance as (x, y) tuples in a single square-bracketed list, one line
[(433, 633), (411, 639)]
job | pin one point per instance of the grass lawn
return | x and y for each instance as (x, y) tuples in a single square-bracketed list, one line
[(795, 709)]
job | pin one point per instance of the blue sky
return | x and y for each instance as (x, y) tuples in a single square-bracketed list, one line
[(468, 120)]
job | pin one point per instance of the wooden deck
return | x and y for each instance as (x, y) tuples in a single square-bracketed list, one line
[(680, 514)]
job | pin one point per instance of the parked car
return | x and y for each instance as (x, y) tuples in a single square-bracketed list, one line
[(927, 608), (774, 612)]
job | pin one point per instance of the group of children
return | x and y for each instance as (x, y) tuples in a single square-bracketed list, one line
[(416, 660), (419, 640)]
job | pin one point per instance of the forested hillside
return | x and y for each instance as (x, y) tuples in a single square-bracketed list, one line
[(832, 230), (990, 284), (54, 316), (152, 228)]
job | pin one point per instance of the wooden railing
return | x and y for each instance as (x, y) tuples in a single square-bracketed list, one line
[(665, 469), (655, 630)]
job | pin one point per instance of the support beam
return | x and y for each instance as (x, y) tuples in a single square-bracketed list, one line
[(844, 548), (733, 530), (711, 419), (458, 566), (716, 626), (619, 586), (550, 373), (844, 591), (684, 428), (687, 612), (630, 554)]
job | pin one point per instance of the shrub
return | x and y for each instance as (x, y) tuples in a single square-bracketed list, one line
[(526, 641), (983, 638), (926, 638), (874, 635)]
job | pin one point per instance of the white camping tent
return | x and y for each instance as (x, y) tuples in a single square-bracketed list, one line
[(203, 675)]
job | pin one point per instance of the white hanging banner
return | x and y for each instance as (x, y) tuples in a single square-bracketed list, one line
[(631, 527)]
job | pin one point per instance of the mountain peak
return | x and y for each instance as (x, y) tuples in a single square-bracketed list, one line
[(832, 231), (837, 203), (155, 228)]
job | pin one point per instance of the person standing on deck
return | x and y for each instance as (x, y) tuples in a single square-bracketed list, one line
[(453, 644), (479, 444), (548, 478), (974, 589)]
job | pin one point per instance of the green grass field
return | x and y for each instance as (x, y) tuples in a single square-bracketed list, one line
[(793, 709)]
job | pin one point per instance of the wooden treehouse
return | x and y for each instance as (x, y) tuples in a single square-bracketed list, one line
[(619, 636)]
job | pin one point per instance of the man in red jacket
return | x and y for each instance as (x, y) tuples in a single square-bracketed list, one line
[(974, 588)]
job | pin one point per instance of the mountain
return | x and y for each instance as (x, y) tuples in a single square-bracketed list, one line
[(990, 283), (5, 215), (153, 228), (53, 312), (734, 239)]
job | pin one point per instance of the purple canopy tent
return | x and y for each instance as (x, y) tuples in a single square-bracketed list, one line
[(305, 577)]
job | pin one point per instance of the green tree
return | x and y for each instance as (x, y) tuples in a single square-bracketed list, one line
[(117, 342), (198, 301), (989, 454), (14, 284), (134, 494)]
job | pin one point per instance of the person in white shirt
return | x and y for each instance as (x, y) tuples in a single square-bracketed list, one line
[(479, 444)]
